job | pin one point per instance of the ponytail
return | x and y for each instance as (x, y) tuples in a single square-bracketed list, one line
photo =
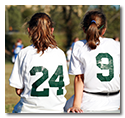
[(92, 35), (93, 23), (41, 32)]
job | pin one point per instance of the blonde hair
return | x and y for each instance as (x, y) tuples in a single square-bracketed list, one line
[(40, 26)]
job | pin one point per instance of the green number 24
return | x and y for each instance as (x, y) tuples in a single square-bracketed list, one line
[(52, 82), (109, 66)]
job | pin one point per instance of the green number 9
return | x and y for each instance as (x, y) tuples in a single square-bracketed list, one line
[(102, 66)]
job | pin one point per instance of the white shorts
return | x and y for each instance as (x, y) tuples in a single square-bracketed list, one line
[(97, 103)]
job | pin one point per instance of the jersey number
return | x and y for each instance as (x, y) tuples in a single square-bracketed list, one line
[(52, 82), (102, 66)]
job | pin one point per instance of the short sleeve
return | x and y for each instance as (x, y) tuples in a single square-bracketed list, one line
[(16, 79), (76, 67)]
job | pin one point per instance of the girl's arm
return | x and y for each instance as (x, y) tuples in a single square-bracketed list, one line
[(78, 93), (19, 91)]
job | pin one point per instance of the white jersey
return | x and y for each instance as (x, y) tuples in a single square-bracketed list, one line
[(43, 78), (101, 69)]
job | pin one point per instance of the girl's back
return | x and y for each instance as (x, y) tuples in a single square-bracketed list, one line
[(101, 66), (40, 72), (44, 78)]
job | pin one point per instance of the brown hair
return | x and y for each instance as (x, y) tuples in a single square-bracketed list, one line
[(93, 23), (40, 27)]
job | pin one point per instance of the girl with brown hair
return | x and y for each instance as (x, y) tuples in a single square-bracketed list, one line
[(40, 72), (95, 62)]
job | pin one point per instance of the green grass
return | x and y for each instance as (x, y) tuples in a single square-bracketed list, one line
[(9, 108), (11, 98), (70, 87)]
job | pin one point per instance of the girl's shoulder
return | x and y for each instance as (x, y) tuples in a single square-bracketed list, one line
[(30, 47), (76, 51), (56, 51), (26, 50), (110, 44), (109, 41), (80, 43)]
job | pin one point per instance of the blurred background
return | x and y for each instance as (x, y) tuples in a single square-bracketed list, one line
[(66, 20)]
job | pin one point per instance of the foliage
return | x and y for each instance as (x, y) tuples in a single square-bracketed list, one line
[(66, 17), (15, 17), (27, 14), (113, 20), (66, 20)]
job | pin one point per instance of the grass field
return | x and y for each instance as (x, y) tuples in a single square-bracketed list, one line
[(11, 98)]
